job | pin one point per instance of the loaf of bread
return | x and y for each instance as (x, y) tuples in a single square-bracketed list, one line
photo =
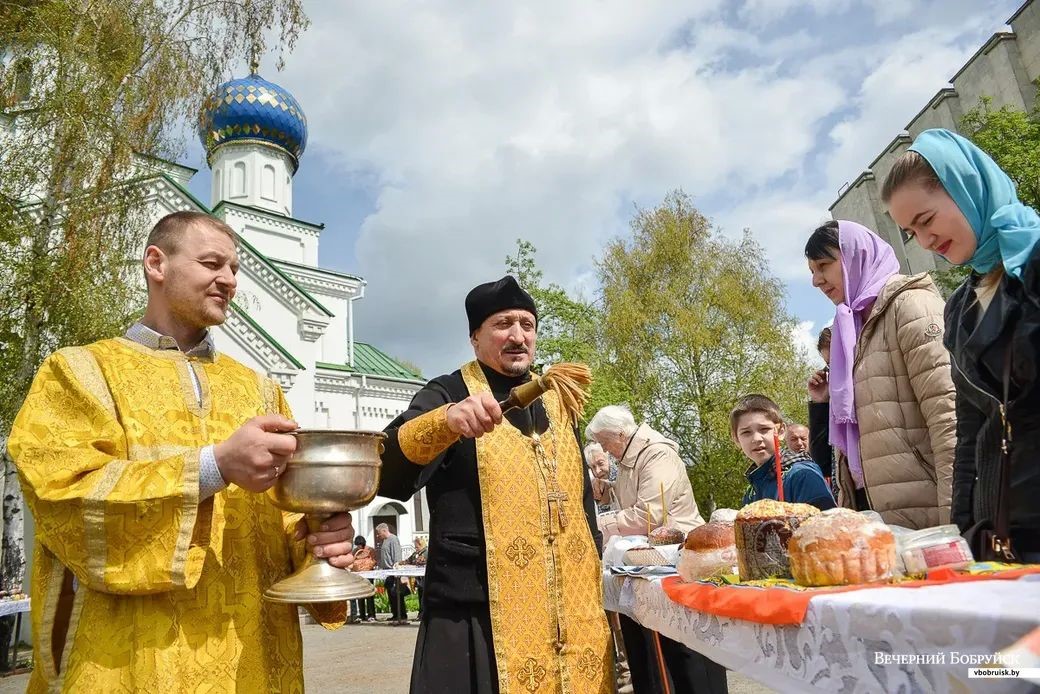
[(841, 547), (709, 551), (665, 535), (762, 530), (710, 536)]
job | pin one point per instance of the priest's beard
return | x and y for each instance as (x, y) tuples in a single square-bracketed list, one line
[(517, 370)]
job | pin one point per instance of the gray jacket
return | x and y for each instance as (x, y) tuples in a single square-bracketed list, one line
[(389, 552)]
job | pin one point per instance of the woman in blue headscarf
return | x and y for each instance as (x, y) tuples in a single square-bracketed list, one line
[(950, 196)]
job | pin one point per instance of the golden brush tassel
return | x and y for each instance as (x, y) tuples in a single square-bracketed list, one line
[(570, 381)]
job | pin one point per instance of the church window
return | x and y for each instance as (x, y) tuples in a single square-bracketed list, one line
[(267, 180), (238, 180), (216, 185), (22, 81)]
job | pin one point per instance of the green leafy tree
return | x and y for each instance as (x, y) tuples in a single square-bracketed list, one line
[(570, 329), (410, 365), (696, 321), (1012, 137), (92, 94), (948, 280)]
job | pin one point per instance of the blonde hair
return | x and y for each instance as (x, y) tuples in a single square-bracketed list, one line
[(419, 541), (992, 278), (909, 168), (988, 285)]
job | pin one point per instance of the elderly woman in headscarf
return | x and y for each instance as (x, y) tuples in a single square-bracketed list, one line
[(890, 390), (602, 473), (954, 200)]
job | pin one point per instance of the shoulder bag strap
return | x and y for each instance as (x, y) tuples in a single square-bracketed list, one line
[(1002, 535)]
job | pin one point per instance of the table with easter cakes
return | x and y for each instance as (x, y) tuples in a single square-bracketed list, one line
[(838, 601)]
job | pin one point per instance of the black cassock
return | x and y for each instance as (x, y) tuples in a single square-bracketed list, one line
[(454, 653)]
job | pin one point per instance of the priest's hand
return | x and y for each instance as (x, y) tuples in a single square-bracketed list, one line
[(475, 416), (257, 452), (334, 540)]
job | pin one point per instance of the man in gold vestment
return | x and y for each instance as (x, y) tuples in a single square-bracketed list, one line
[(143, 459), (513, 591)]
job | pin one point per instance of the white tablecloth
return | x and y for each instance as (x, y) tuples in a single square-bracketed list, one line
[(381, 574), (8, 607), (835, 649)]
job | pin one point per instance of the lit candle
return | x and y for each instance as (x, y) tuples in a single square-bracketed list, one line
[(664, 507), (779, 470)]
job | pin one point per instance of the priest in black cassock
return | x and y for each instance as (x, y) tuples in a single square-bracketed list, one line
[(513, 596)]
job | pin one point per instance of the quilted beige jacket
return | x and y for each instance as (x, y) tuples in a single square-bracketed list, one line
[(905, 407), (651, 463)]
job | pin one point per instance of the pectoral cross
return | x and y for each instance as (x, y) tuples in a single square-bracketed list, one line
[(559, 497), (553, 495)]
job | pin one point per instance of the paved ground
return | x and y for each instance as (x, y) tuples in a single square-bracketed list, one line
[(370, 658)]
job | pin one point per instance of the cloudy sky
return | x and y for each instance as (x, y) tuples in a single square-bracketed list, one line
[(440, 132)]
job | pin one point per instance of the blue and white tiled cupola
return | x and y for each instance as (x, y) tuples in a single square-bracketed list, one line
[(254, 132)]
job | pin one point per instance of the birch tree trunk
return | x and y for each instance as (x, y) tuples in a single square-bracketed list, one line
[(12, 548)]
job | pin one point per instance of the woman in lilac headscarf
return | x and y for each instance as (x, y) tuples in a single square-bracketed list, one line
[(890, 390)]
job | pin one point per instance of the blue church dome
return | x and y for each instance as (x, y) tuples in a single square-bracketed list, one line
[(252, 108)]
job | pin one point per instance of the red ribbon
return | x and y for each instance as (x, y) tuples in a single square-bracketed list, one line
[(776, 462)]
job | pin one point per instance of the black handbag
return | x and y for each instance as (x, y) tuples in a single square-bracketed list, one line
[(991, 540)]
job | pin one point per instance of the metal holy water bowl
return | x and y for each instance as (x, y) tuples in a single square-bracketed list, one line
[(331, 471)]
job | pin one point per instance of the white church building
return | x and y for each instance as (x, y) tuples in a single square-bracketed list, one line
[(291, 318)]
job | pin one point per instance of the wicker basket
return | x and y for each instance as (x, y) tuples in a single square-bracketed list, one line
[(664, 555)]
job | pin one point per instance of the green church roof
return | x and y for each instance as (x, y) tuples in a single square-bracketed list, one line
[(372, 361)]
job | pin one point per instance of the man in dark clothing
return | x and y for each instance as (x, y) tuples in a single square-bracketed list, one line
[(513, 579), (389, 557)]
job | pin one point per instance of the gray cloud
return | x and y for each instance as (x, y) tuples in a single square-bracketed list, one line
[(484, 122)]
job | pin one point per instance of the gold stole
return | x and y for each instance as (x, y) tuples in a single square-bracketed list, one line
[(544, 583)]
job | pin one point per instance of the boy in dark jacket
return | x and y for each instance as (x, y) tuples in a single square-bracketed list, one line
[(755, 423)]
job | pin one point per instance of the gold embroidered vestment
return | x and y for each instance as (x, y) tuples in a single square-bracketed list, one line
[(544, 582), (169, 589)]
